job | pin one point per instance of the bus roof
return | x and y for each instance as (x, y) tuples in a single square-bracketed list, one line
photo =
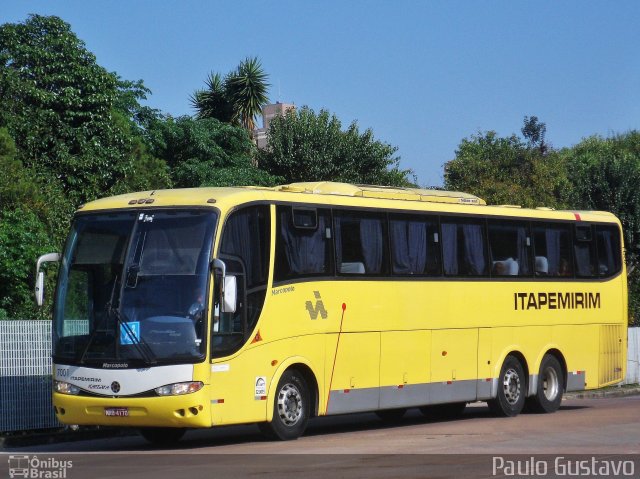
[(337, 194)]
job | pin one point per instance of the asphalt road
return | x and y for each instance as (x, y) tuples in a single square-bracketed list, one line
[(352, 444)]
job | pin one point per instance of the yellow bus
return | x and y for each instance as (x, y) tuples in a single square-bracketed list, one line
[(198, 308)]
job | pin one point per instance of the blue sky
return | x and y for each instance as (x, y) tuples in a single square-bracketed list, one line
[(422, 75)]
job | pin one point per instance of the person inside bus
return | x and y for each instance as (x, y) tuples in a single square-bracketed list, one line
[(196, 312), (565, 269)]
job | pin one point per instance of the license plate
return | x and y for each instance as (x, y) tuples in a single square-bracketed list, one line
[(116, 411)]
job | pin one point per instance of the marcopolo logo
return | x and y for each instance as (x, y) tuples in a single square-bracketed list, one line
[(37, 468), (317, 309)]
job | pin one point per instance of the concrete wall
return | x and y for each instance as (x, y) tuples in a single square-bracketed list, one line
[(633, 357)]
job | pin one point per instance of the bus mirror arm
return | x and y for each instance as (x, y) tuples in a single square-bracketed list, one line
[(228, 287), (39, 289)]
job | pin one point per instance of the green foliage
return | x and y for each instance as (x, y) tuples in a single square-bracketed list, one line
[(201, 174), (205, 152), (237, 98), (58, 104), (534, 132), (213, 101), (16, 186), (23, 237), (305, 146), (505, 170)]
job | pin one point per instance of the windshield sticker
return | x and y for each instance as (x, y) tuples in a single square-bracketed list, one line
[(130, 332)]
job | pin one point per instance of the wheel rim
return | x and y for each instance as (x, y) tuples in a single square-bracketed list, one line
[(550, 383), (511, 386), (289, 404)]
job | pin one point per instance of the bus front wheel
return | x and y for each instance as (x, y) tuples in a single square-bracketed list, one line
[(511, 389), (290, 408), (550, 385)]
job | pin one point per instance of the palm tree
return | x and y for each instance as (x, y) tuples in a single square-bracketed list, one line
[(213, 102), (237, 98), (248, 92)]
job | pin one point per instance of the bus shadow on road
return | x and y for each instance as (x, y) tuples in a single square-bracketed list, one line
[(340, 424), (250, 435)]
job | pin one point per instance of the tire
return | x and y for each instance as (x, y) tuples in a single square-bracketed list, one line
[(512, 389), (162, 436), (291, 406), (391, 415), (444, 411), (550, 387)]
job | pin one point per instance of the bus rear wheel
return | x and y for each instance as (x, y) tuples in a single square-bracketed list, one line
[(511, 389), (162, 436), (550, 386), (290, 408)]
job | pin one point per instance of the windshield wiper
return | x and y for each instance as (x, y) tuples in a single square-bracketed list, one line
[(94, 333), (112, 312)]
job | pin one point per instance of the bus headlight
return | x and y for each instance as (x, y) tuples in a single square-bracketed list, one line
[(65, 388), (179, 388)]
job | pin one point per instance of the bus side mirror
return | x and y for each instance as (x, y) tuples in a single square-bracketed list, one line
[(39, 290), (228, 287), (230, 297)]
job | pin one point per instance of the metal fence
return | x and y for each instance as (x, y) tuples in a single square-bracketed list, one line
[(25, 376), (25, 373)]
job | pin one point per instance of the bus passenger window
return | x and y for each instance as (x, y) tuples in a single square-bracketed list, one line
[(509, 244), (360, 243), (584, 251), (303, 243), (414, 246), (608, 244), (463, 248), (552, 244)]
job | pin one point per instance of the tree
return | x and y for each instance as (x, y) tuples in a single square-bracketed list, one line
[(60, 108), (16, 186), (534, 132), (23, 237), (505, 170), (305, 146), (214, 101), (237, 98), (205, 152)]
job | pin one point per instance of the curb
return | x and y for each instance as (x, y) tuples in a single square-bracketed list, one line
[(612, 392)]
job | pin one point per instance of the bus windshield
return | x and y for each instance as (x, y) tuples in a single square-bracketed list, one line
[(132, 288)]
